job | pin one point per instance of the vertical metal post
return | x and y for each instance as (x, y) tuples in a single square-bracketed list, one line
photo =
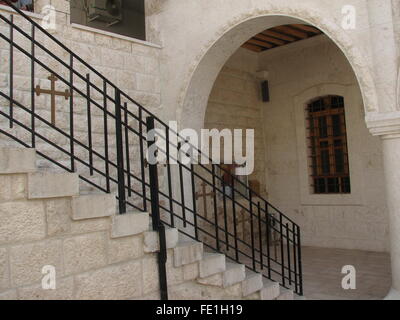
[(235, 221), (196, 231), (295, 256), (215, 207), (127, 156), (282, 250), (181, 186), (288, 252), (162, 260), (225, 215), (268, 229), (299, 260), (89, 116), (153, 176), (155, 215), (169, 179), (260, 236), (120, 153), (71, 111), (142, 159), (253, 253), (107, 165), (33, 141), (11, 70)]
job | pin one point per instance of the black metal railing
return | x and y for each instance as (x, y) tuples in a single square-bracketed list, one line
[(101, 133)]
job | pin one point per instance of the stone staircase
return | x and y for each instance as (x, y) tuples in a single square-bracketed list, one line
[(192, 272)]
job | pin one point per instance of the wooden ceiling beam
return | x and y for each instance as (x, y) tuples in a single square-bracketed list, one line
[(261, 43), (278, 35), (307, 28), (270, 39), (252, 47), (291, 31)]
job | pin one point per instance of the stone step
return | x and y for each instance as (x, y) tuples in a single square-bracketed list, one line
[(252, 283), (152, 241), (297, 297), (187, 252), (216, 280), (17, 160), (270, 290), (129, 224), (233, 274), (43, 185), (285, 294), (93, 206), (212, 263)]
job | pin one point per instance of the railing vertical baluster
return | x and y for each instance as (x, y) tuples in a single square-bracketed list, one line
[(260, 236), (300, 292), (196, 231), (282, 250), (89, 116), (253, 252), (225, 215), (153, 175), (120, 153), (33, 140), (107, 165), (235, 222), (215, 206), (127, 156), (11, 70), (71, 112), (169, 178), (295, 256), (155, 215), (182, 187), (288, 253), (268, 231), (142, 158)]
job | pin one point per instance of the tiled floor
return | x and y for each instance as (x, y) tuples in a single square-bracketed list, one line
[(322, 275)]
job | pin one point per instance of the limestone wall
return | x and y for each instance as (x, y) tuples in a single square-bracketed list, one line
[(88, 262), (299, 73), (234, 103), (132, 65)]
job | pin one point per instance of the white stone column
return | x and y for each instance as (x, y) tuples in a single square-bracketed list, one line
[(387, 126), (391, 157)]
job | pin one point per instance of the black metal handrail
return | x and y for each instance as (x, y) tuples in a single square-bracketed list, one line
[(268, 242)]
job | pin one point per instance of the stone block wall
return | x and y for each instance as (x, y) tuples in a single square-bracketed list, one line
[(234, 103), (132, 65), (88, 262)]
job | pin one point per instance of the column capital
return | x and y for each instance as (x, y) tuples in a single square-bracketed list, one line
[(385, 124)]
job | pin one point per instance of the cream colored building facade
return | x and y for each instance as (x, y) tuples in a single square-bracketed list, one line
[(192, 69)]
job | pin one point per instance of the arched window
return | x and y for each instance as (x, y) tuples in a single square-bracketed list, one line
[(328, 154)]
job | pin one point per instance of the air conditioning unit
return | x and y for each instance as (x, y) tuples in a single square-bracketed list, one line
[(109, 11)]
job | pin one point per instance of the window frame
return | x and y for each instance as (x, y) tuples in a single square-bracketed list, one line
[(328, 174)]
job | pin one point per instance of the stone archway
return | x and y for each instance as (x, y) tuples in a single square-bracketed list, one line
[(193, 100)]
